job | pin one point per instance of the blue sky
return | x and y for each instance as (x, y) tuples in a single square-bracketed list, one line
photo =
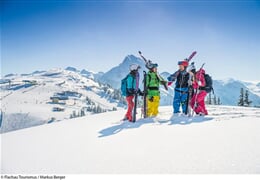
[(97, 35)]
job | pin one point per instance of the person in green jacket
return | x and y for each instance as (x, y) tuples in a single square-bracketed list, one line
[(153, 81)]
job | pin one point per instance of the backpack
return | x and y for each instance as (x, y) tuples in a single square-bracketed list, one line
[(209, 84), (124, 86)]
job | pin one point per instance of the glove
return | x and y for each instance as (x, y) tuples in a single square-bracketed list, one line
[(140, 93), (163, 82), (171, 78), (131, 91), (151, 99)]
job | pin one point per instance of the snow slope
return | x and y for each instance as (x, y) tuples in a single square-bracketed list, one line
[(226, 141), (25, 104), (254, 86)]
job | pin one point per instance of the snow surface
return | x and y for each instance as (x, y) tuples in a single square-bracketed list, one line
[(226, 141)]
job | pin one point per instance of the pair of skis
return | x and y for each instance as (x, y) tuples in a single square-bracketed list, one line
[(148, 64), (144, 110)]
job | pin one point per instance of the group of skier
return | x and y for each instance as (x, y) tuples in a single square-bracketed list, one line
[(189, 91)]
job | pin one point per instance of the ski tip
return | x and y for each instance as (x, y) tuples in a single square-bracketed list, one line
[(192, 55), (139, 52)]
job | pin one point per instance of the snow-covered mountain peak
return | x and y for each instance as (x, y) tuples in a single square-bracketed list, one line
[(69, 68), (38, 72), (131, 59), (114, 76), (91, 74), (10, 75), (86, 71), (227, 80)]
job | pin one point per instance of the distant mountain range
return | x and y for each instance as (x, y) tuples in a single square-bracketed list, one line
[(227, 90), (57, 94)]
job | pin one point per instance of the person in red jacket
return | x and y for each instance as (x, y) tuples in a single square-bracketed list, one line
[(198, 99)]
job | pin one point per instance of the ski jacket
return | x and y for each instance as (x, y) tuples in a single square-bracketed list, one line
[(131, 85), (173, 76), (199, 79), (152, 84), (182, 80)]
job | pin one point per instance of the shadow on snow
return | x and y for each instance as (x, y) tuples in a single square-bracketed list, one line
[(174, 120), (189, 120), (124, 125)]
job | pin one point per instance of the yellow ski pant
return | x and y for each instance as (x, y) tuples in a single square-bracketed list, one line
[(152, 106)]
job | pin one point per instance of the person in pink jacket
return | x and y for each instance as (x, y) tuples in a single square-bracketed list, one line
[(198, 99)]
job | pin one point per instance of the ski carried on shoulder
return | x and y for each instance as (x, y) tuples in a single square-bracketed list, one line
[(174, 75), (148, 64), (191, 56)]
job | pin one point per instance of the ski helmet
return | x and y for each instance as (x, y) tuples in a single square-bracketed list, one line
[(152, 65), (192, 68), (184, 63), (134, 67)]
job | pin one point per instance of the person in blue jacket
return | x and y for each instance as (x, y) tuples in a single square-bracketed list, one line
[(181, 87), (131, 89)]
